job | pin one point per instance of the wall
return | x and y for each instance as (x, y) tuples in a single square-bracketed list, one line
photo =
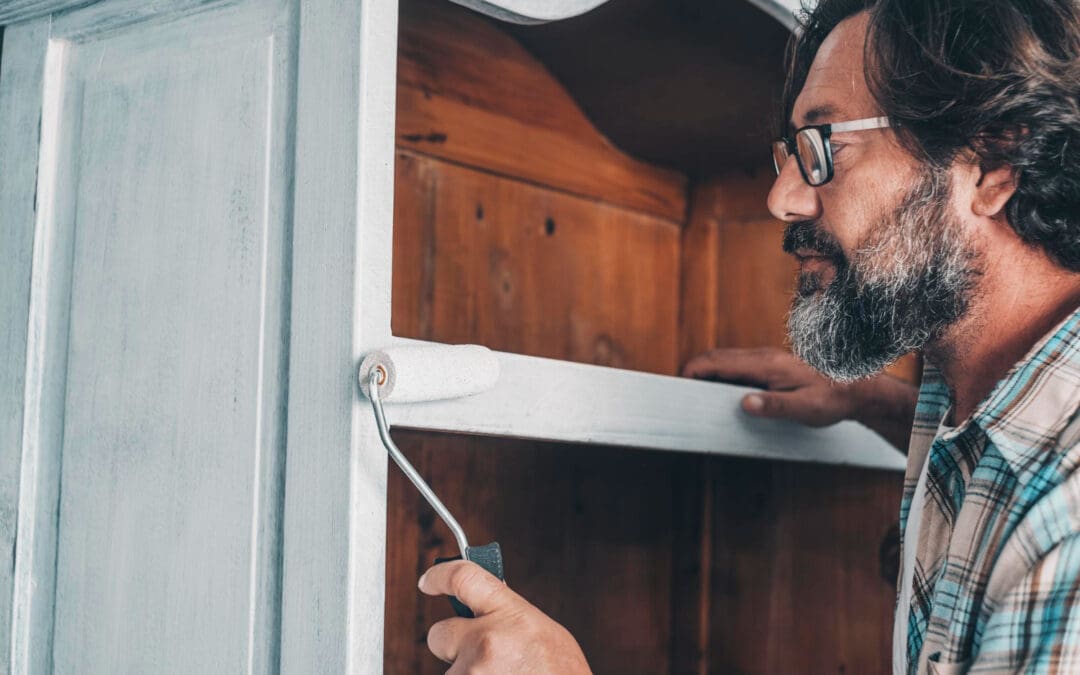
[(518, 225)]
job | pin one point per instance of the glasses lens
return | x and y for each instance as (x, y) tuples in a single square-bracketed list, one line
[(813, 156), (780, 155)]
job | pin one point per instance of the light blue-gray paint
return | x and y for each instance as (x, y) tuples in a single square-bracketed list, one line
[(174, 420), (184, 327), (15, 11), (20, 109)]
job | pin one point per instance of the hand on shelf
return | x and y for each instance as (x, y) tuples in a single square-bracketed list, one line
[(793, 390)]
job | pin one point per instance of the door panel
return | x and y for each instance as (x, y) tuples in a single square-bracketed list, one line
[(175, 159), (199, 172)]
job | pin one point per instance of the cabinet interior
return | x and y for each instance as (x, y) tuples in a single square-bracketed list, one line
[(594, 190)]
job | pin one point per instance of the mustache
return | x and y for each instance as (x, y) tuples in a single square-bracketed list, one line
[(806, 234)]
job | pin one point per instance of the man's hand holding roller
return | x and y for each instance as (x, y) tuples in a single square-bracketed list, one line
[(794, 390), (508, 635)]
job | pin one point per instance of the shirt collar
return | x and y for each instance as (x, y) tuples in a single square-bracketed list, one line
[(1028, 409)]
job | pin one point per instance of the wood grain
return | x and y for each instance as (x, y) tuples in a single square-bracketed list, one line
[(512, 255), (796, 583), (471, 95), (586, 533), (734, 269), (685, 84), (658, 563), (531, 270), (793, 578)]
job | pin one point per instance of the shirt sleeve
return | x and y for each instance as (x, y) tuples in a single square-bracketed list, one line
[(1036, 628)]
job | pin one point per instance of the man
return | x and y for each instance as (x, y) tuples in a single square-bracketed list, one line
[(929, 174)]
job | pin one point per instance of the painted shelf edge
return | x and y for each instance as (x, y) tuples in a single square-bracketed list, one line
[(551, 400)]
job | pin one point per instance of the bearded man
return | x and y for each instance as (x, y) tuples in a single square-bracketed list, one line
[(929, 173)]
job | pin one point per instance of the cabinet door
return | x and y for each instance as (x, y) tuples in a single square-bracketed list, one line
[(194, 488)]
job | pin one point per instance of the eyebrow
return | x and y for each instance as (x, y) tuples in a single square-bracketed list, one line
[(815, 114)]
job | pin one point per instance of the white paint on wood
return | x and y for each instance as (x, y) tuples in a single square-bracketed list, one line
[(374, 191), (559, 401), (21, 71), (204, 166), (335, 503), (15, 11), (173, 449), (158, 328), (46, 355)]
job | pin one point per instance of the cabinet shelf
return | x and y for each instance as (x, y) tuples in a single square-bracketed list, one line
[(552, 400)]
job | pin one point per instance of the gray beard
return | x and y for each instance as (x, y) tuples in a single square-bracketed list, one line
[(911, 279)]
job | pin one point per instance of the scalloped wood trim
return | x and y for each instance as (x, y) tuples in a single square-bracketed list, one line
[(470, 94)]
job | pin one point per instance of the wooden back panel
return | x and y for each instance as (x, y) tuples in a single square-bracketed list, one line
[(800, 559)]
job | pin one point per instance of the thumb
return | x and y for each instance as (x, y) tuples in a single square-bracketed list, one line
[(474, 586), (762, 404)]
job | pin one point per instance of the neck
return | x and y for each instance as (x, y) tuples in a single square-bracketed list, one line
[(1019, 300)]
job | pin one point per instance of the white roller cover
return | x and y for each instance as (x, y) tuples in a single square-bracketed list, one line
[(431, 372)]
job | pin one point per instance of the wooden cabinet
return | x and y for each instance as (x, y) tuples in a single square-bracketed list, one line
[(658, 562), (196, 210)]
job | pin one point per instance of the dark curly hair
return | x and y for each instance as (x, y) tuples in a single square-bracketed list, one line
[(996, 80)]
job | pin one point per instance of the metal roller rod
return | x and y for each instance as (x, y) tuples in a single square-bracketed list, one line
[(412, 474)]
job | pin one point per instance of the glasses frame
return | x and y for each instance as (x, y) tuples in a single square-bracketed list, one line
[(791, 147)]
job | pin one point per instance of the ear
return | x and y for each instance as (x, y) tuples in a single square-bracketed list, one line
[(992, 191)]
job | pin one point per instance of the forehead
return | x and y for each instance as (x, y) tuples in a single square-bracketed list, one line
[(835, 88)]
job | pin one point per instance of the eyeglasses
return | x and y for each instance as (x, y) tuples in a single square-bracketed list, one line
[(812, 148)]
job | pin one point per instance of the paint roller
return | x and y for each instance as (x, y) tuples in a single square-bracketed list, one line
[(414, 374)]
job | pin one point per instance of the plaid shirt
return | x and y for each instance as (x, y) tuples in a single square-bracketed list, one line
[(996, 583)]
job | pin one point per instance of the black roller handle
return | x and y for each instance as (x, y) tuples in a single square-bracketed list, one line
[(490, 558)]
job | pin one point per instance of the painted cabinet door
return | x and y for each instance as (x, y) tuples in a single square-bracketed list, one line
[(189, 484)]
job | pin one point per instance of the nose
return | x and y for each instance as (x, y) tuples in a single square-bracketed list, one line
[(791, 199)]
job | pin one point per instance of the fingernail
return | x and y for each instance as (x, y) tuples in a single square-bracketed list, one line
[(420, 584), (753, 403)]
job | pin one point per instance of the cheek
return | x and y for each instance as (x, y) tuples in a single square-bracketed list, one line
[(845, 216), (854, 207)]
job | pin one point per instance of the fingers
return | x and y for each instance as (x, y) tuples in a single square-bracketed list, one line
[(767, 367), (444, 638), (481, 591), (807, 408)]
